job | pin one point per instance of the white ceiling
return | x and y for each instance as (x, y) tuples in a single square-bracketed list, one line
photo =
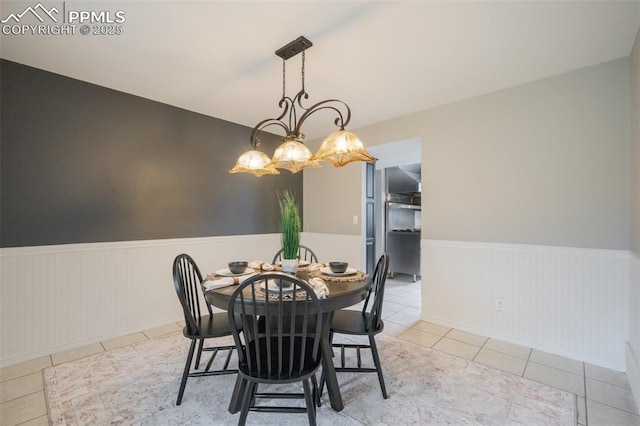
[(385, 59)]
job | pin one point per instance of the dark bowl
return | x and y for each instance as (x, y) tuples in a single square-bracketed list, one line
[(238, 267), (338, 267)]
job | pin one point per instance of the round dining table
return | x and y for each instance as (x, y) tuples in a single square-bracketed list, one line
[(342, 294)]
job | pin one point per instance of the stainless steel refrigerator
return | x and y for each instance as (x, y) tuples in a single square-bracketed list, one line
[(403, 221)]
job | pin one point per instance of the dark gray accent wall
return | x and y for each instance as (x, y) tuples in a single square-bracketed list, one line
[(82, 163)]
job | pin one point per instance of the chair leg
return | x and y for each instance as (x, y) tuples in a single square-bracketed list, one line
[(316, 390), (237, 395), (311, 407), (322, 380), (376, 360), (185, 374), (246, 402), (320, 388), (199, 353)]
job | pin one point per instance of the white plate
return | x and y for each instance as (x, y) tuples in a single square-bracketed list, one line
[(327, 271), (273, 287), (227, 273)]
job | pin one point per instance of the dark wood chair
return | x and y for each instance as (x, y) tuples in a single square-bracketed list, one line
[(187, 280), (304, 253), (367, 322), (282, 337)]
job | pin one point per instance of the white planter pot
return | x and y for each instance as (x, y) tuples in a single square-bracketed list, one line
[(289, 266)]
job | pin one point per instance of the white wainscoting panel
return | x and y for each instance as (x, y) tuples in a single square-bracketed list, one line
[(633, 345), (568, 301), (54, 298)]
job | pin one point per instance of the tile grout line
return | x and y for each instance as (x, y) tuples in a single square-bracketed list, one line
[(480, 350), (501, 353), (612, 407), (24, 423), (585, 387), (441, 337), (606, 383), (526, 366), (26, 394), (584, 368)]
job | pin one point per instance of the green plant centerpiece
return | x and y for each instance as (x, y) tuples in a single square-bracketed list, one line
[(289, 230)]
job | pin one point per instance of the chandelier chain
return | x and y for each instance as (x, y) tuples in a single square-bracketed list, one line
[(303, 70), (284, 71)]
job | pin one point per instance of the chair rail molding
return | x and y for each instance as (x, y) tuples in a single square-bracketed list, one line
[(59, 297), (568, 301)]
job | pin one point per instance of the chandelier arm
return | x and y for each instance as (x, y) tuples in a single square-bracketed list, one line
[(298, 98), (285, 103), (326, 104), (264, 124), (293, 115)]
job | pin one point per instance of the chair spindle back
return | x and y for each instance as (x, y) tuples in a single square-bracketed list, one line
[(187, 280), (282, 332), (374, 307)]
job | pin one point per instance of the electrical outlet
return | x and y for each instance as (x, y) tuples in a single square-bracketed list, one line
[(500, 305)]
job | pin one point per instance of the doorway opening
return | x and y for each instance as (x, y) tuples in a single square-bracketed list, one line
[(404, 283)]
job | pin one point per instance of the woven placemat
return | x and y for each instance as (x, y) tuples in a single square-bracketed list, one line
[(358, 276), (275, 293)]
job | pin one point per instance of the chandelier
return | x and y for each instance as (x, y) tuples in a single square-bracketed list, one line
[(339, 148)]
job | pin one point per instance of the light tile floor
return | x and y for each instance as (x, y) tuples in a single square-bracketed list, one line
[(604, 396)]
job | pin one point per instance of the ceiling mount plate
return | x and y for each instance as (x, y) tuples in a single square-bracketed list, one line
[(292, 49)]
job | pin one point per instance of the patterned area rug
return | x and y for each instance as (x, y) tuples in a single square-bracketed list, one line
[(138, 385)]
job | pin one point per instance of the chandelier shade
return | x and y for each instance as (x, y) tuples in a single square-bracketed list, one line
[(339, 148), (294, 156), (254, 162)]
